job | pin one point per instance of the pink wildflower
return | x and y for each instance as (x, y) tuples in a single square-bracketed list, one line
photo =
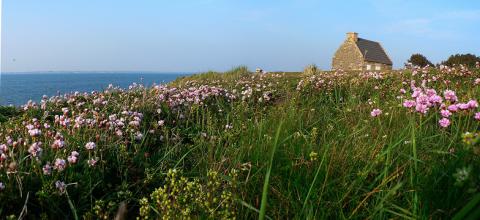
[(90, 146), (408, 103), (376, 112), (47, 169), (452, 108), (134, 123), (416, 92), (34, 132), (421, 108), (3, 148), (61, 186), (3, 157), (463, 106), (450, 95), (138, 136), (422, 99), (445, 113), (444, 122), (60, 164), (73, 158), (435, 99), (477, 116), (472, 104), (431, 92), (58, 144), (35, 149), (92, 162)]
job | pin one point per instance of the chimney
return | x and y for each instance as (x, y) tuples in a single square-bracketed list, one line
[(352, 36)]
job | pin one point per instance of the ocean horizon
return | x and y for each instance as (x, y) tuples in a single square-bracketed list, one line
[(17, 88)]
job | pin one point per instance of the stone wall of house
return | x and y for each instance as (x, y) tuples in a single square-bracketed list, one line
[(373, 66), (348, 57)]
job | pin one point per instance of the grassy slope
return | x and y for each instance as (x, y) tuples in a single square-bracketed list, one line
[(331, 160), (395, 165)]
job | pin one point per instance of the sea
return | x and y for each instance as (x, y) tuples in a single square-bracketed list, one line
[(18, 88)]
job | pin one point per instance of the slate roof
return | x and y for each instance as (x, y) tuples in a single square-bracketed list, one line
[(373, 51)]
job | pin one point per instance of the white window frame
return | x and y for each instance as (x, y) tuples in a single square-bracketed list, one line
[(378, 67), (369, 67)]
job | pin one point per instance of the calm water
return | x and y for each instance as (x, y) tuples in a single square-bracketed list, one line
[(18, 88)]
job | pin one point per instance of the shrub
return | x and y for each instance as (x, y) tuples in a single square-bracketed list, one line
[(7, 112), (419, 60), (212, 198), (311, 69), (469, 60)]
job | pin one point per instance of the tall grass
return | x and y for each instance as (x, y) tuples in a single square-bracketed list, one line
[(237, 144)]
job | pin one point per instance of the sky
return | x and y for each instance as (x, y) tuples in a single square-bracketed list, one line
[(202, 35)]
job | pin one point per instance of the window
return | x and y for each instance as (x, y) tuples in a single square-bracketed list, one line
[(378, 67), (369, 67)]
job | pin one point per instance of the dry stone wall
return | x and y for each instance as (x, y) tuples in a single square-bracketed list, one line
[(347, 57)]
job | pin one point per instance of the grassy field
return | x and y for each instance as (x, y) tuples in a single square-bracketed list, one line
[(311, 145)]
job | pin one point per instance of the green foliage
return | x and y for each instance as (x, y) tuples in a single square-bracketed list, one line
[(468, 59), (419, 60), (212, 198), (211, 76), (308, 138), (7, 112)]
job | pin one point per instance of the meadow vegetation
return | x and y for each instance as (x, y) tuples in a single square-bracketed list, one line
[(312, 145)]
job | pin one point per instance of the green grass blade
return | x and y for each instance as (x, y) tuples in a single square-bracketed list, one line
[(313, 182), (251, 208), (465, 212), (263, 206)]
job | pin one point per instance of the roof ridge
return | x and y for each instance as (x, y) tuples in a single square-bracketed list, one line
[(368, 40)]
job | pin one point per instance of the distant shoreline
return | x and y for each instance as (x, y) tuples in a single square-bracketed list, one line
[(19, 87), (98, 72)]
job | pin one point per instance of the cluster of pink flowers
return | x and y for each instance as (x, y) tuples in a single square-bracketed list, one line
[(372, 75), (175, 97), (112, 116), (58, 143), (30, 105), (323, 80), (34, 129), (425, 99), (62, 120)]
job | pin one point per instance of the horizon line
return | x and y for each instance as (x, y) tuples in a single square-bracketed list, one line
[(100, 71)]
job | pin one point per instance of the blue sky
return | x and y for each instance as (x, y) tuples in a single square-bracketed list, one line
[(192, 36)]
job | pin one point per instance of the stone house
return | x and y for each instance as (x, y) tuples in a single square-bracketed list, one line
[(360, 54)]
